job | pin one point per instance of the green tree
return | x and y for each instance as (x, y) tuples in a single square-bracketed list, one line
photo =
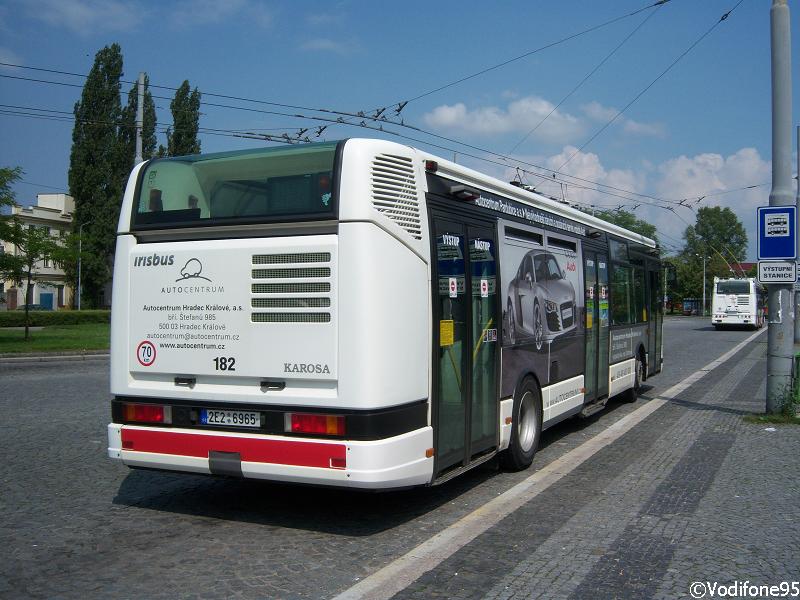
[(628, 220), (717, 231), (96, 172), (8, 176), (717, 240), (127, 132), (32, 245), (182, 135)]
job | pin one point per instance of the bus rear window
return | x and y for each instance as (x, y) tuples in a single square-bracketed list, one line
[(248, 186), (733, 287)]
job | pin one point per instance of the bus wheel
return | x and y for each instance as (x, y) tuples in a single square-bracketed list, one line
[(638, 373), (638, 376), (526, 427)]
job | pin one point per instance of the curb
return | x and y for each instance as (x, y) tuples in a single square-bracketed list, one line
[(52, 357)]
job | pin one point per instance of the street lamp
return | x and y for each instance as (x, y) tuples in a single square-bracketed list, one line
[(80, 252), (704, 257)]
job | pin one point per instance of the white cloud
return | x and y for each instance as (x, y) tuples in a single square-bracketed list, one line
[(324, 19), (328, 45), (588, 171), (720, 178), (85, 17), (597, 112), (191, 13), (637, 128), (709, 174), (519, 117)]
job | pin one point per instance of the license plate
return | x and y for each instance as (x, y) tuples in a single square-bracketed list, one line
[(566, 313), (237, 418)]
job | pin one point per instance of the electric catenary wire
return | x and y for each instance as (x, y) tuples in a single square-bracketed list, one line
[(651, 84), (531, 53), (585, 79)]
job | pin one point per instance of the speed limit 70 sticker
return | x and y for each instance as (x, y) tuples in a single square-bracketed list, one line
[(146, 353)]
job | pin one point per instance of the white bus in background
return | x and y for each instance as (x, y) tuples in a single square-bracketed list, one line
[(362, 313), (738, 302)]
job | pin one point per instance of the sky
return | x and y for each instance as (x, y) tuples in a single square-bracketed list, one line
[(517, 90)]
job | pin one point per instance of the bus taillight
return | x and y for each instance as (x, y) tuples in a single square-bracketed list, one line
[(314, 424), (148, 413)]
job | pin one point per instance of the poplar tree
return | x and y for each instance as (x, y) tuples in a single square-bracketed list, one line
[(182, 135), (96, 175)]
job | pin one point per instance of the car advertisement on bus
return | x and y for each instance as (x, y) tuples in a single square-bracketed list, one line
[(543, 303)]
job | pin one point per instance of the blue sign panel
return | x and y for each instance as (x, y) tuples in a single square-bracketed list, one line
[(777, 232)]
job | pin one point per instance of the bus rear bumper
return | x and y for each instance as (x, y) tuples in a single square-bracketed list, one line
[(398, 461)]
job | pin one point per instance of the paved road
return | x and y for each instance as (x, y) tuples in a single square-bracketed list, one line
[(76, 525)]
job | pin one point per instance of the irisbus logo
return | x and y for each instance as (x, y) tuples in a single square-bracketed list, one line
[(154, 260)]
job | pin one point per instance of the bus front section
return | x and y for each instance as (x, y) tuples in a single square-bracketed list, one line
[(267, 324)]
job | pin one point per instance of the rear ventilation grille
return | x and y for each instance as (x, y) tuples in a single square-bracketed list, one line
[(291, 273), (280, 259), (394, 192), (291, 300), (291, 317), (290, 288)]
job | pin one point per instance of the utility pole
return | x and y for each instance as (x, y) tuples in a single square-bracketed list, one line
[(796, 290), (704, 284), (780, 342), (704, 257), (139, 119), (80, 254)]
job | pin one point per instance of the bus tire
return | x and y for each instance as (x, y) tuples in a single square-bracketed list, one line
[(526, 427)]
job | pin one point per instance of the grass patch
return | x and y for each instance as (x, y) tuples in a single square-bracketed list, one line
[(57, 338), (779, 419), (44, 318)]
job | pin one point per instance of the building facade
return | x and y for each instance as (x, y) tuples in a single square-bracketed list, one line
[(50, 288)]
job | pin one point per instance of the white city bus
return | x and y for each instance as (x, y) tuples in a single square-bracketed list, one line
[(365, 314), (738, 302)]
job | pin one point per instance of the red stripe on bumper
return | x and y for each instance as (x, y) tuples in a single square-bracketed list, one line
[(281, 452)]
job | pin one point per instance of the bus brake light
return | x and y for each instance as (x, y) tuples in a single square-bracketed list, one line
[(148, 413), (316, 424)]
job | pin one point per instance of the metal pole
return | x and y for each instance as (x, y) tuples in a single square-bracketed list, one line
[(139, 120), (780, 342), (704, 285), (796, 290), (80, 245)]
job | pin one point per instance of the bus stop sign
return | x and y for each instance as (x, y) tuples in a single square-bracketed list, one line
[(777, 232)]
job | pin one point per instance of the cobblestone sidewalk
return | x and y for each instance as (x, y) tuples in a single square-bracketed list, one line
[(692, 494)]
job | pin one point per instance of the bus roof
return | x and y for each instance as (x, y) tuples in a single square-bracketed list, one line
[(469, 176)]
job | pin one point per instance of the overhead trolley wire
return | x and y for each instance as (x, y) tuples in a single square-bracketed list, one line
[(339, 120), (651, 84), (532, 52), (585, 79)]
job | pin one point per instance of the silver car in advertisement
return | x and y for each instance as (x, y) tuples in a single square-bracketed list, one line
[(541, 299)]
